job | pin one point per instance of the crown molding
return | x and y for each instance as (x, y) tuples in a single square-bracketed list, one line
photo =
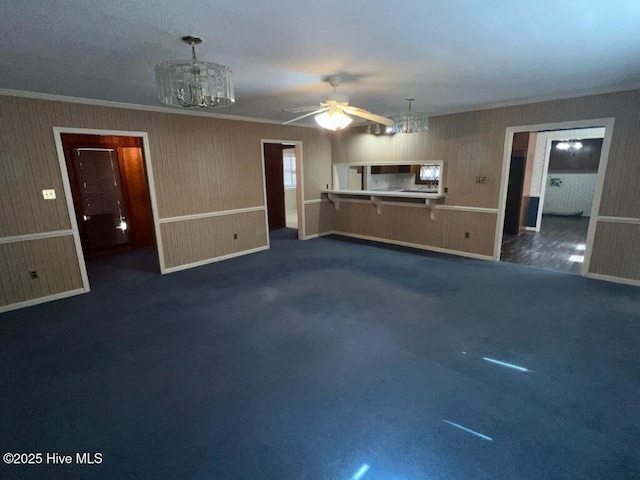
[(176, 111), (539, 99), (133, 106)]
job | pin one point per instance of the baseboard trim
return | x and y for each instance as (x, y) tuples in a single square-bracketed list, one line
[(200, 263), (317, 235), (416, 245), (39, 300), (610, 278)]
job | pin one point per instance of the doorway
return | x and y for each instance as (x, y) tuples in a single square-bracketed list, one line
[(110, 196), (518, 187), (283, 189), (110, 193), (553, 182)]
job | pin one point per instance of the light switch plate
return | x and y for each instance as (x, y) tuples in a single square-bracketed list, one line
[(49, 194)]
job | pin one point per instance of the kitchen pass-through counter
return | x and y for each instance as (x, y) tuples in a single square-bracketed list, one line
[(415, 185)]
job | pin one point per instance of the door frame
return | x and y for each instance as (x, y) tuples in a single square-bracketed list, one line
[(549, 138), (608, 124), (57, 137), (299, 185)]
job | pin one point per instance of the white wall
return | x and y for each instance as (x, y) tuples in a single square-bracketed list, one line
[(541, 158), (384, 181), (574, 193), (290, 200)]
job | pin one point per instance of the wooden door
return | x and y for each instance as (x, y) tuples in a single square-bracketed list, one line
[(101, 210), (514, 196), (137, 194), (110, 192), (274, 178)]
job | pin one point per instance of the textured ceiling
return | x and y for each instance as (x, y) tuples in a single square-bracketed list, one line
[(448, 55)]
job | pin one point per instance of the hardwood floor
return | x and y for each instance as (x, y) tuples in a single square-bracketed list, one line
[(558, 246)]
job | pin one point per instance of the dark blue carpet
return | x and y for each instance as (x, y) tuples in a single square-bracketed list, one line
[(316, 360)]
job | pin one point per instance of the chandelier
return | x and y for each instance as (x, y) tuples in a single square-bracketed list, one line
[(194, 84), (410, 122)]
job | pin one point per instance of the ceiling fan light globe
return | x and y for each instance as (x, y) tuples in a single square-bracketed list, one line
[(333, 120)]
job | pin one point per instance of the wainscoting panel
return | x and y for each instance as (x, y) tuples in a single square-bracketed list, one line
[(54, 260), (192, 241), (318, 218), (413, 225), (479, 225), (396, 223), (616, 250)]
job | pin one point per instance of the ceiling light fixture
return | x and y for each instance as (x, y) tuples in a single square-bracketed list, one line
[(410, 122), (333, 119), (569, 145), (194, 84)]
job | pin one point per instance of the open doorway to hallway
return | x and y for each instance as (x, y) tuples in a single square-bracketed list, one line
[(550, 195), (111, 201), (282, 185)]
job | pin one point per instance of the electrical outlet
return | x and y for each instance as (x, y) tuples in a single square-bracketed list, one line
[(33, 274), (481, 179), (235, 236), (467, 234), (49, 194), (446, 190)]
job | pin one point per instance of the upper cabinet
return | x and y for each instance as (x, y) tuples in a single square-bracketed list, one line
[(425, 177)]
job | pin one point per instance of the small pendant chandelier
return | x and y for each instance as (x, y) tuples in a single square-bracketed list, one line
[(194, 84), (410, 122)]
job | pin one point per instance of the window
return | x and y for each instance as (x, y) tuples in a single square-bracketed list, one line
[(289, 169), (429, 173)]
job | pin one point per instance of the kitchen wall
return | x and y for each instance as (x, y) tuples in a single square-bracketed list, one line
[(472, 144), (387, 181), (208, 181)]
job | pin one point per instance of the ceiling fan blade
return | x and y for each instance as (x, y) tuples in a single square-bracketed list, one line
[(324, 109), (359, 112), (303, 109)]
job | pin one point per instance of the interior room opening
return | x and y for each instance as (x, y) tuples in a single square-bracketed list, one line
[(550, 194), (281, 165), (111, 200)]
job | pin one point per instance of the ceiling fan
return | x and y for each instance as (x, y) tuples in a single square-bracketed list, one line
[(334, 112)]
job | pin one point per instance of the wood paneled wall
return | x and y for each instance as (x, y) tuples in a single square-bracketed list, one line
[(192, 241), (54, 260), (413, 225), (472, 144), (318, 218), (615, 250), (200, 165)]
